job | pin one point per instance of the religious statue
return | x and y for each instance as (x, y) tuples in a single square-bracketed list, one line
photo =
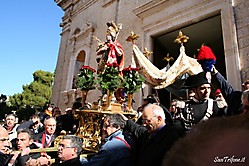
[(111, 53)]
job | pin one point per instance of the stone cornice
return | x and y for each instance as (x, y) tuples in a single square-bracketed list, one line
[(179, 12), (64, 4), (149, 8)]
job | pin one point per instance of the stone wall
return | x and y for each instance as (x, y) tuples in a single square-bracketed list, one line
[(84, 19), (241, 8)]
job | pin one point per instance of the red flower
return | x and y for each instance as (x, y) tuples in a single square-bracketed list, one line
[(131, 69), (112, 64), (87, 67)]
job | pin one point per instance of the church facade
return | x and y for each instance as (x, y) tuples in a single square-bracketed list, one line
[(222, 24)]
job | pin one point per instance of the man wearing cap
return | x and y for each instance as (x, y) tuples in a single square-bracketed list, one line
[(111, 52), (220, 100), (201, 107), (231, 95)]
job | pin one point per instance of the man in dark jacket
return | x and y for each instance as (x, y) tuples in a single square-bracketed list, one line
[(4, 147), (46, 138), (69, 122), (219, 141), (69, 150), (34, 124), (6, 159), (24, 143), (232, 96), (155, 135)]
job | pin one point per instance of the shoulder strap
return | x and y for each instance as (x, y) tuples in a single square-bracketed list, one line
[(209, 112)]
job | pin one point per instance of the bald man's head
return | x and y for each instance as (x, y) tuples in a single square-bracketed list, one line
[(4, 141), (153, 117)]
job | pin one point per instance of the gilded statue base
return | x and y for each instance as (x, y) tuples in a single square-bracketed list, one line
[(114, 107), (91, 125)]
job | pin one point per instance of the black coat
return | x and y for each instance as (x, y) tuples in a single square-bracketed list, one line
[(194, 112), (21, 160), (5, 159), (29, 124), (232, 96), (38, 139), (72, 162), (153, 148), (68, 123)]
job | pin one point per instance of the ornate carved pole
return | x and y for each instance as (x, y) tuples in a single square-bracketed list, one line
[(130, 96), (109, 99), (84, 95)]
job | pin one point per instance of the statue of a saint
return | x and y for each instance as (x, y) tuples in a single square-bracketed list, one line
[(110, 51)]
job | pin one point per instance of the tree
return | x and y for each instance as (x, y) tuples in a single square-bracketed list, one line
[(34, 96), (3, 106)]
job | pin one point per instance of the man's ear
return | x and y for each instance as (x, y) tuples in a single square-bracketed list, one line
[(31, 141), (74, 151), (159, 118)]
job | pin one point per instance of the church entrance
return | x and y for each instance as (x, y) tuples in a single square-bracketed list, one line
[(207, 32)]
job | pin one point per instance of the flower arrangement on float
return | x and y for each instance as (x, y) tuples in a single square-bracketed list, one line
[(86, 81), (132, 82), (109, 81)]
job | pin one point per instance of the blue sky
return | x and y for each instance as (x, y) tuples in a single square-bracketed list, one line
[(30, 39)]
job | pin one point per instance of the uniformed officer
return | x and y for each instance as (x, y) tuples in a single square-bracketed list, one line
[(201, 107)]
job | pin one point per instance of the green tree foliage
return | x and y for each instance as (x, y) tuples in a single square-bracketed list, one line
[(34, 96), (3, 106)]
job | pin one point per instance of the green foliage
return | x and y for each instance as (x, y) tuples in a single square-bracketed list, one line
[(86, 79), (43, 77), (3, 106), (132, 81), (34, 96), (110, 79)]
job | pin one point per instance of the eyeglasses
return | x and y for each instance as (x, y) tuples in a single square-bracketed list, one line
[(146, 120), (64, 147)]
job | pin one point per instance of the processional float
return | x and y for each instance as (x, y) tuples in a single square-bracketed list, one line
[(111, 74), (114, 81)]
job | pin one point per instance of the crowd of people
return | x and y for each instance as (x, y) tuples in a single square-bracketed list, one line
[(156, 138), (186, 133), (18, 140)]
